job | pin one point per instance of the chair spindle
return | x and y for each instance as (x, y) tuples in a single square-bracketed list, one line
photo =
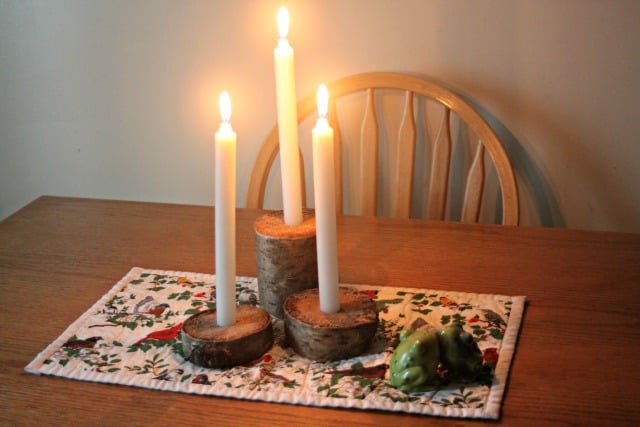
[(439, 183), (337, 153), (369, 158), (405, 161), (475, 186)]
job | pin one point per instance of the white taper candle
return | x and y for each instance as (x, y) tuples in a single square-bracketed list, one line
[(225, 216), (325, 207), (288, 124)]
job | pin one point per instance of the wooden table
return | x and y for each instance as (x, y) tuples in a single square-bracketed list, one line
[(576, 360)]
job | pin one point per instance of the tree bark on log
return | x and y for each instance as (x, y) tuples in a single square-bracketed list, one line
[(211, 346), (323, 336), (286, 258)]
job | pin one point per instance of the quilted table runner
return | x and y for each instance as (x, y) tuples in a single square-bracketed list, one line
[(131, 336)]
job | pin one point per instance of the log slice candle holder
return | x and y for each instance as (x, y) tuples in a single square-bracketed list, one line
[(323, 336), (211, 346), (286, 258)]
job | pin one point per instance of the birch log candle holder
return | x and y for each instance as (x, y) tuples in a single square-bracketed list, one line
[(323, 336), (206, 344), (285, 257)]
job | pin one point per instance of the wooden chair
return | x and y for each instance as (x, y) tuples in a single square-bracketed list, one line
[(415, 93)]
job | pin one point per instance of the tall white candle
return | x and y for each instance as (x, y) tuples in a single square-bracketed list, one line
[(288, 124), (325, 207), (225, 217)]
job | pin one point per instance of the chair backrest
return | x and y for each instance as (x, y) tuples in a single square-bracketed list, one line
[(415, 92)]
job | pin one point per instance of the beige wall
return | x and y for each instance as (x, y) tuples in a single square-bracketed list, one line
[(117, 99)]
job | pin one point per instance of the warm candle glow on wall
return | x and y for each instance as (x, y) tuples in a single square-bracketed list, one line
[(225, 216), (288, 124), (325, 207)]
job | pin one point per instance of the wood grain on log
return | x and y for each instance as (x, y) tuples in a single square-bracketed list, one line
[(207, 344), (323, 336), (286, 258)]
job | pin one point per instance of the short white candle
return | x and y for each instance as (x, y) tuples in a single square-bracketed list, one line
[(225, 217), (288, 124), (325, 207)]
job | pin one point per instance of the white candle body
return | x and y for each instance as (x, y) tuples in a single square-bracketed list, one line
[(288, 133), (325, 211), (225, 225)]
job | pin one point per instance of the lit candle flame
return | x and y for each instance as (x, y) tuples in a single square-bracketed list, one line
[(225, 106), (283, 22), (323, 100)]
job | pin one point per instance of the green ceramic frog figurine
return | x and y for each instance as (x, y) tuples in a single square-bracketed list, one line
[(459, 353), (415, 361), (425, 359)]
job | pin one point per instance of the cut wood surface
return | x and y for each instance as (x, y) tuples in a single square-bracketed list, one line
[(323, 336), (207, 344)]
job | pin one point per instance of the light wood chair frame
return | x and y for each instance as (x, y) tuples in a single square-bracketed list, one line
[(401, 203)]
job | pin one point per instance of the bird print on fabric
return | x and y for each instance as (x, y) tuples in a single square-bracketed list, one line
[(142, 303), (75, 343), (161, 335), (494, 318)]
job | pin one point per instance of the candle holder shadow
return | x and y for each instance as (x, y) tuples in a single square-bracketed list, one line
[(206, 344), (286, 258), (330, 336)]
